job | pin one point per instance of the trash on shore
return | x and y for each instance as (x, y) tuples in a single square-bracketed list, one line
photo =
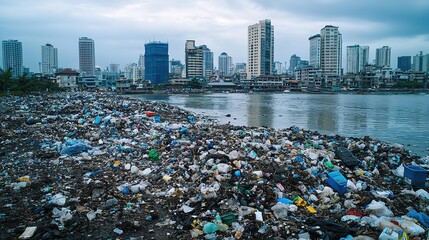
[(102, 165)]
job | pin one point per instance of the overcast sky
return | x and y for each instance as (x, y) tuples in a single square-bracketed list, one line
[(121, 28)]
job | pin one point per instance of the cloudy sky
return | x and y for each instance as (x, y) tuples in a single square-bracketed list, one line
[(121, 28)]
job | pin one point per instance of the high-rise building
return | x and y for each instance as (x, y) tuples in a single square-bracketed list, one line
[(357, 58), (141, 66), (194, 60), (294, 62), (156, 62), (278, 67), (86, 56), (330, 51), (176, 68), (131, 73), (421, 62), (12, 57), (225, 63), (404, 63), (208, 65), (260, 49), (315, 46), (382, 56), (114, 68), (49, 59)]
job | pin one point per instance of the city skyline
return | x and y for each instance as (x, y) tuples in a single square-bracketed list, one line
[(120, 29)]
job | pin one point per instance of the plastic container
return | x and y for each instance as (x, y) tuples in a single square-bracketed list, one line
[(347, 157), (415, 175), (389, 234), (337, 181)]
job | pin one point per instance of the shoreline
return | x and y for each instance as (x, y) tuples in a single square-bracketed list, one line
[(98, 162)]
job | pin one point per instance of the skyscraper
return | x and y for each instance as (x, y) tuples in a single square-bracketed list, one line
[(294, 62), (315, 45), (225, 63), (404, 63), (194, 60), (49, 59), (141, 66), (12, 57), (86, 56), (207, 61), (330, 51), (260, 49), (382, 56), (156, 62), (357, 58)]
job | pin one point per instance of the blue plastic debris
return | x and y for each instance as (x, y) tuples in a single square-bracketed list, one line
[(75, 149)]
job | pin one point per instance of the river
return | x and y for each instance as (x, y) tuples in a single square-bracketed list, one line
[(402, 119)]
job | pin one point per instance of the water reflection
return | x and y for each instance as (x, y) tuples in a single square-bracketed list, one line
[(322, 119), (393, 118), (260, 110)]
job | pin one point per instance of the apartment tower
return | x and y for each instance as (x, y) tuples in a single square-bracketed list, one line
[(12, 57), (49, 59), (330, 51), (382, 56), (357, 58), (260, 49), (86, 56), (193, 60)]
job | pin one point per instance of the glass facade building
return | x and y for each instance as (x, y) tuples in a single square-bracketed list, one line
[(156, 62)]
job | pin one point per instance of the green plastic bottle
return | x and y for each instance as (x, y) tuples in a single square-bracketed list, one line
[(328, 163)]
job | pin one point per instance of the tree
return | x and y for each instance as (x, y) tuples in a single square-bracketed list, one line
[(6, 79)]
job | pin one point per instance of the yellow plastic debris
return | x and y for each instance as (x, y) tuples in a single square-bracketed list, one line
[(311, 209), (24, 179), (166, 178)]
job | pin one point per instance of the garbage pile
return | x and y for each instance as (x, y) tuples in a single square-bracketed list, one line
[(98, 165)]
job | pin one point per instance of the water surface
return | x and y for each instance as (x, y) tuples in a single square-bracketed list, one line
[(400, 119)]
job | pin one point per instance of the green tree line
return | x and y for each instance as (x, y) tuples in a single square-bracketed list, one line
[(24, 83)]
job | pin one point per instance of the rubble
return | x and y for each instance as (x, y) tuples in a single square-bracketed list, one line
[(85, 165)]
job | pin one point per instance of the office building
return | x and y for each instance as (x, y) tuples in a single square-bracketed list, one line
[(330, 51), (194, 60), (294, 62), (315, 46), (260, 49), (208, 65), (404, 63), (12, 57), (49, 59), (382, 56), (156, 62), (86, 56), (225, 64), (357, 58)]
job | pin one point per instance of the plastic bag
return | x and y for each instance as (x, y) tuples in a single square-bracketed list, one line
[(411, 228), (379, 209)]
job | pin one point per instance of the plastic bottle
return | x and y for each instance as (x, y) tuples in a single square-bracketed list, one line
[(328, 163)]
